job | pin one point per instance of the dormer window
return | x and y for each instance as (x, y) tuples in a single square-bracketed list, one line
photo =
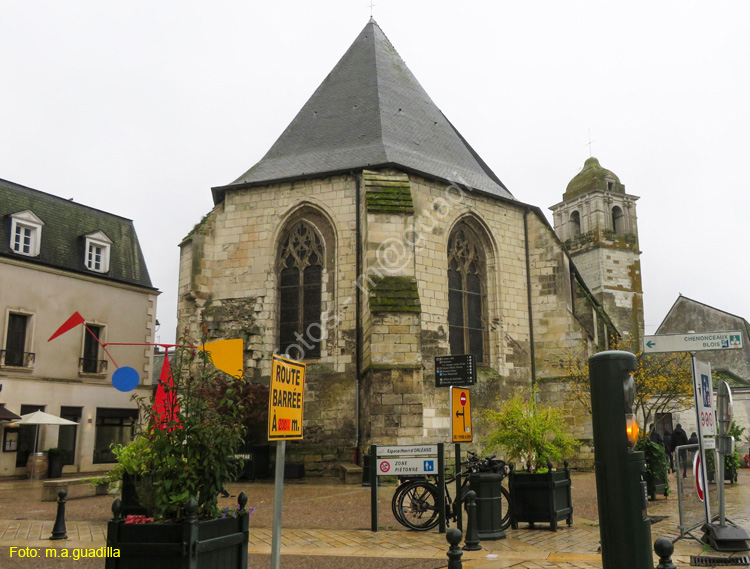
[(25, 233), (97, 252)]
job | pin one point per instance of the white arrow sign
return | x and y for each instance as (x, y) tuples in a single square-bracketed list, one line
[(696, 342)]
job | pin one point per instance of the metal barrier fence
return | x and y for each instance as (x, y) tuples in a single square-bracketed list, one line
[(691, 508)]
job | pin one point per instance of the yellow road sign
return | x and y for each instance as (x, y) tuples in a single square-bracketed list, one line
[(460, 415), (286, 399)]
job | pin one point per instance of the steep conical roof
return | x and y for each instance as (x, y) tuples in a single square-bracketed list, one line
[(371, 111)]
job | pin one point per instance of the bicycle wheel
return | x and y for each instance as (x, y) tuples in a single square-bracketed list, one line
[(417, 506), (395, 501)]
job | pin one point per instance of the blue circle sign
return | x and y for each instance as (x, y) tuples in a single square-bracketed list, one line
[(125, 379)]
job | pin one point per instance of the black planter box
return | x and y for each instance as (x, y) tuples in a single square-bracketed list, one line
[(730, 475), (56, 463), (191, 544), (541, 498), (655, 485)]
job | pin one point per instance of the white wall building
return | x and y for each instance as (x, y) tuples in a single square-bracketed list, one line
[(58, 257)]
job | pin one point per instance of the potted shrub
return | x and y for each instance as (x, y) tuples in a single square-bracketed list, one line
[(57, 458), (656, 467), (255, 451), (534, 435), (732, 461), (181, 460)]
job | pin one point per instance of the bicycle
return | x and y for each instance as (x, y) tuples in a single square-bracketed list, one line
[(415, 502)]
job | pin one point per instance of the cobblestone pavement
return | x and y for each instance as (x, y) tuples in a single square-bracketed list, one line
[(575, 546)]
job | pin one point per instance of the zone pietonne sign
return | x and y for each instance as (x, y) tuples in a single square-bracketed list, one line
[(286, 399)]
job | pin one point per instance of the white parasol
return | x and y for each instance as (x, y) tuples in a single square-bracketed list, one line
[(41, 418)]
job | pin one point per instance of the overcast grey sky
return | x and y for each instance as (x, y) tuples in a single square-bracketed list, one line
[(139, 108)]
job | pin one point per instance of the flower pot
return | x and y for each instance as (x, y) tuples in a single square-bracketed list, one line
[(189, 544), (541, 497), (56, 463)]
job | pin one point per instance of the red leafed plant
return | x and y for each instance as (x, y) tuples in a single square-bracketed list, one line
[(138, 519)]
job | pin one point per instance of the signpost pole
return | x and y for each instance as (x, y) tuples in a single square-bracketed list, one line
[(457, 500), (285, 406), (374, 487), (441, 486), (278, 503)]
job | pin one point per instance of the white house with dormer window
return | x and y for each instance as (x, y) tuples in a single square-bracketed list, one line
[(86, 261), (25, 233)]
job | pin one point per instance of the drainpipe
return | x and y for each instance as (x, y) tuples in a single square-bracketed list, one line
[(528, 296), (358, 314)]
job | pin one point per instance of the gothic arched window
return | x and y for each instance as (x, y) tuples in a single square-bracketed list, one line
[(618, 221), (466, 285), (301, 259)]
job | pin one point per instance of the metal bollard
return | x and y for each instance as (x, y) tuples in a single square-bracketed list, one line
[(472, 531), (664, 549), (59, 531), (454, 536)]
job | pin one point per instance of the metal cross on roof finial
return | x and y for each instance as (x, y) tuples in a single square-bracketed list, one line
[(589, 144), (371, 5)]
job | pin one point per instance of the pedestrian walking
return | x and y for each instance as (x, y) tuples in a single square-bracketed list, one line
[(669, 449), (655, 436), (679, 438)]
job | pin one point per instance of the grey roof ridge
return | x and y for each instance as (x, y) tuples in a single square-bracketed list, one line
[(682, 296), (62, 200)]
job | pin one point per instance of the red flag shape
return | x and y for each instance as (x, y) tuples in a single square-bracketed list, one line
[(165, 401), (70, 323)]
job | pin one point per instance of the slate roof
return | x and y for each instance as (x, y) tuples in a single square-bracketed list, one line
[(371, 111), (66, 225)]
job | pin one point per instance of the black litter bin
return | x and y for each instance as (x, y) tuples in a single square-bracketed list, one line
[(366, 472), (489, 504)]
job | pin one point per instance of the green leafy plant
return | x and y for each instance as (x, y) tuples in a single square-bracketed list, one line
[(656, 460), (529, 432), (190, 453), (733, 460)]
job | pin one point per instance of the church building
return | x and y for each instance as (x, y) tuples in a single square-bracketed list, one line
[(370, 239)]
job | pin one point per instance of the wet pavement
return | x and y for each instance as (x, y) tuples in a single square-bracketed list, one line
[(393, 546)]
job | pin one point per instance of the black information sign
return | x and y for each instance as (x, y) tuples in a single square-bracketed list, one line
[(455, 370)]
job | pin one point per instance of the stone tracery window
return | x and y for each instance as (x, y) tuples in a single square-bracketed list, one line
[(466, 298), (301, 261)]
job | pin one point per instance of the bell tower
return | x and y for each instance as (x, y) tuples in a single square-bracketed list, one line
[(597, 223)]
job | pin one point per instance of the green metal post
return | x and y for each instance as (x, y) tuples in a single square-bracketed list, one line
[(441, 487), (624, 525), (457, 501), (374, 487)]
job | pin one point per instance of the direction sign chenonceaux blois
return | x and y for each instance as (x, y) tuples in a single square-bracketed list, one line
[(694, 342)]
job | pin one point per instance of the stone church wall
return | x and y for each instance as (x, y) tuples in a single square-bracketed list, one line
[(228, 274)]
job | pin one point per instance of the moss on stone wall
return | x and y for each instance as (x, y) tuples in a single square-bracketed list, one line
[(394, 294), (388, 193)]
